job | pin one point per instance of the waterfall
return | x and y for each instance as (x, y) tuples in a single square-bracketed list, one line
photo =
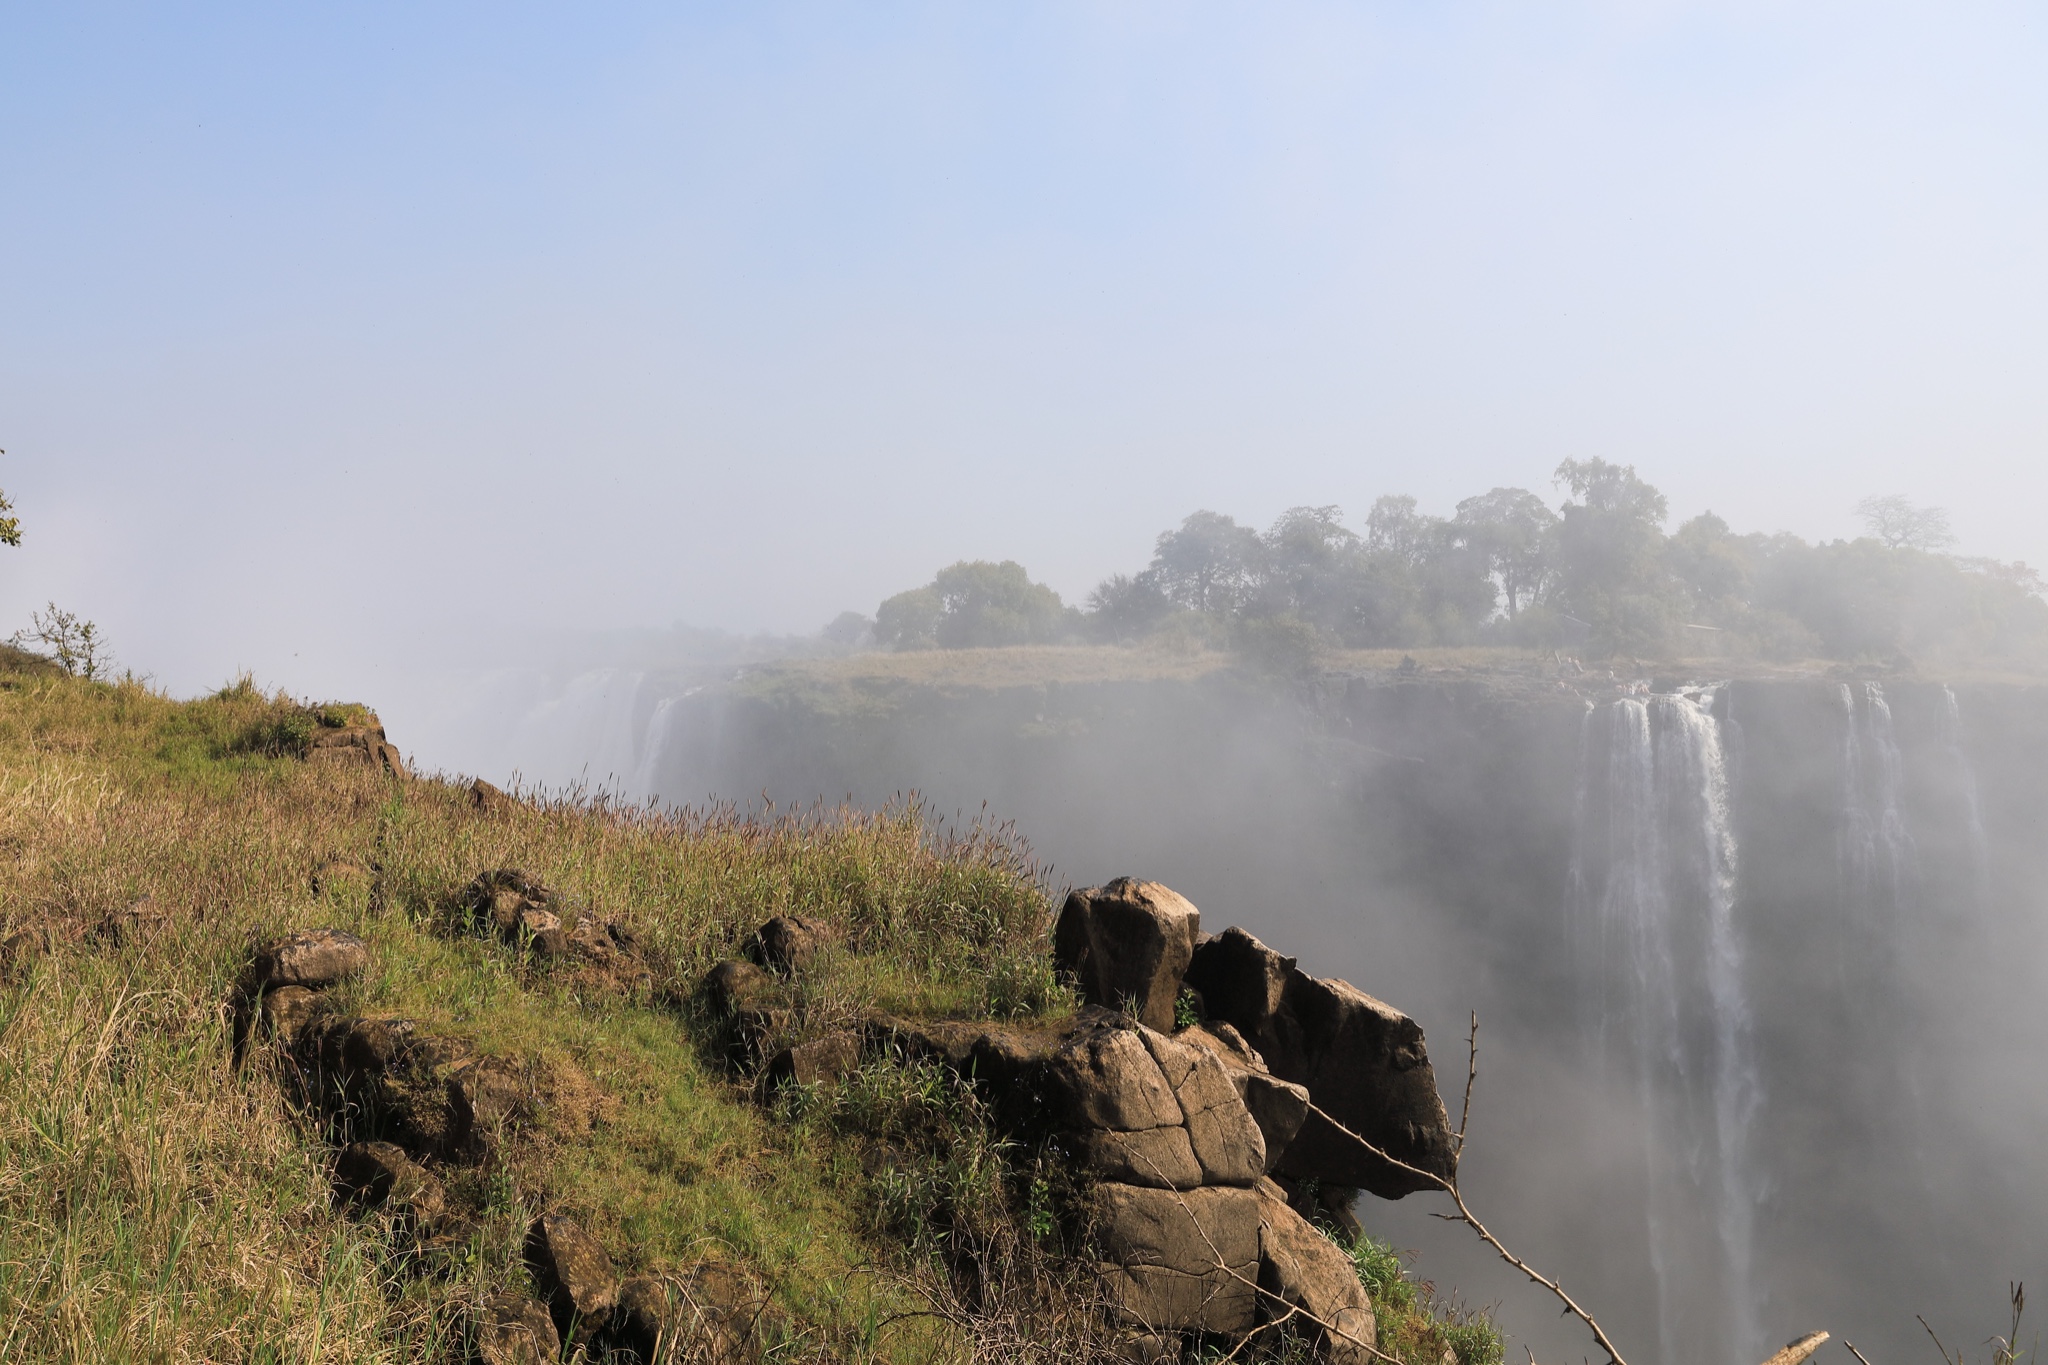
[(1654, 885), (1875, 852), (1966, 784)]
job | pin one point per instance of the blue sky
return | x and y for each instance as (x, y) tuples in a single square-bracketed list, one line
[(322, 326)]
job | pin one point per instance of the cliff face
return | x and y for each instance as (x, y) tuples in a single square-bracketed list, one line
[(1425, 837)]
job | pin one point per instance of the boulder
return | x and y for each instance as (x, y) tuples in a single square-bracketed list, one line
[(1127, 945), (1103, 1076), (820, 1062), (349, 745), (509, 901), (515, 1330), (646, 1319), (287, 1010), (574, 1272), (1363, 1063), (747, 1001), (138, 922), (788, 944), (1226, 1141), (488, 799), (1300, 1268), (1278, 1107), (1173, 1260), (380, 1175), (315, 958), (1160, 1157)]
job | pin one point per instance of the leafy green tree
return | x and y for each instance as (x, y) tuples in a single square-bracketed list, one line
[(983, 604), (1125, 607), (1208, 565), (909, 620), (1514, 533), (1610, 543)]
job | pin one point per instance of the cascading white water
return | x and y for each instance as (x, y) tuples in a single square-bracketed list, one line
[(1654, 873), (1875, 851)]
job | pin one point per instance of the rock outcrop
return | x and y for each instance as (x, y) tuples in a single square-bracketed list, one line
[(358, 741), (527, 915), (1302, 1270), (1127, 945), (1363, 1063), (1180, 1260)]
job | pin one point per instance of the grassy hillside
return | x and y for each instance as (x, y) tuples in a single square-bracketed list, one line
[(158, 1202)]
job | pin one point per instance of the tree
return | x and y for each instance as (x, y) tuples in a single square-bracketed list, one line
[(1710, 562), (982, 604), (1899, 524), (1208, 565), (10, 527), (909, 620), (848, 628), (1124, 607), (1308, 566), (1609, 550), (1512, 531), (77, 646), (1394, 527)]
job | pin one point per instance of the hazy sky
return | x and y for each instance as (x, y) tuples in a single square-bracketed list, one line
[(328, 329)]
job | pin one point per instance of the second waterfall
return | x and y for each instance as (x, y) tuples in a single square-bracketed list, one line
[(1655, 935)]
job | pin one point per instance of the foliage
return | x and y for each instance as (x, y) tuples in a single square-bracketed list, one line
[(76, 646), (10, 527), (1415, 1322), (972, 604), (1598, 575)]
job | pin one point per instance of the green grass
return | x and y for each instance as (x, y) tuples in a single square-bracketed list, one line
[(159, 1204)]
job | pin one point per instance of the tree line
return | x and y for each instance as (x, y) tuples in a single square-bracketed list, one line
[(1597, 575)]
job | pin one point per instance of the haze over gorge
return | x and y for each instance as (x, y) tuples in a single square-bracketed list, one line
[(1756, 935)]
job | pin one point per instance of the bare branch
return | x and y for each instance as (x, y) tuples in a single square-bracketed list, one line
[(1466, 1216), (1471, 1075), (1858, 1354)]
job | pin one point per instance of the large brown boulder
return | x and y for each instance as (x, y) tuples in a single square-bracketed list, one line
[(1277, 1106), (1127, 944), (1179, 1260), (1300, 1269), (1363, 1063), (1226, 1140)]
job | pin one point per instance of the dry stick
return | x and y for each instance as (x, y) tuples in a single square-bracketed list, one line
[(1471, 1075), (1858, 1354), (1466, 1216), (1958, 1360)]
